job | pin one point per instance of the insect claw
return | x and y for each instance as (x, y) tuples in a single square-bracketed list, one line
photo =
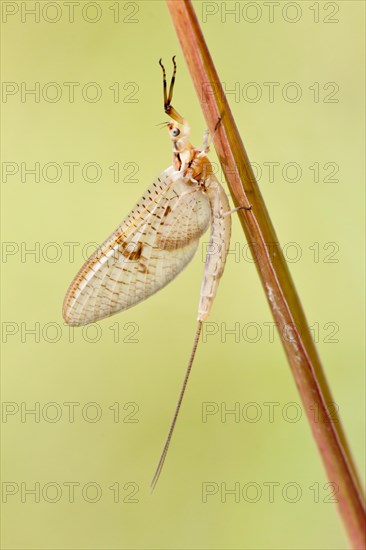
[(240, 208), (217, 124)]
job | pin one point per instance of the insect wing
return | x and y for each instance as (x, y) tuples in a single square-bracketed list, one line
[(145, 252)]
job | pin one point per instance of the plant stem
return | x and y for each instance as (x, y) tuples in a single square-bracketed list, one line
[(274, 274)]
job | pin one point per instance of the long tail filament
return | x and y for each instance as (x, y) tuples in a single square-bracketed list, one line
[(180, 399)]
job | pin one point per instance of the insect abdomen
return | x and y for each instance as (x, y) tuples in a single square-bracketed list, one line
[(218, 246)]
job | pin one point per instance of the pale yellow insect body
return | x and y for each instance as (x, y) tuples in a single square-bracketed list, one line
[(156, 241)]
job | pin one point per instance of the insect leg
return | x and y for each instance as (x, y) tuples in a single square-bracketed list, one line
[(168, 108), (235, 210), (208, 138), (170, 95), (164, 85)]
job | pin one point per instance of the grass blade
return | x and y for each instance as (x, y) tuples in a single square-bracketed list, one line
[(274, 274)]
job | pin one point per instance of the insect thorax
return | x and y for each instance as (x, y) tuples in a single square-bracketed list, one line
[(199, 167), (192, 162)]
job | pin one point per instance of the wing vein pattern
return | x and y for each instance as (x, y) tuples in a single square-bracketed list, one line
[(145, 252)]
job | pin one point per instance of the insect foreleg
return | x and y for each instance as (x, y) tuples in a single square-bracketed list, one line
[(208, 138), (168, 107)]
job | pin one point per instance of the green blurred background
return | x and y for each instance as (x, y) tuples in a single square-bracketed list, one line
[(122, 377)]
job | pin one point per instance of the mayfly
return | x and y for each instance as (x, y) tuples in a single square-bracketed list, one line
[(157, 240)]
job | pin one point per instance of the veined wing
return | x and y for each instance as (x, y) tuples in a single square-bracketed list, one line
[(145, 252)]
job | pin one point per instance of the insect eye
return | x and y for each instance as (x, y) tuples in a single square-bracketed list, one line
[(175, 132)]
